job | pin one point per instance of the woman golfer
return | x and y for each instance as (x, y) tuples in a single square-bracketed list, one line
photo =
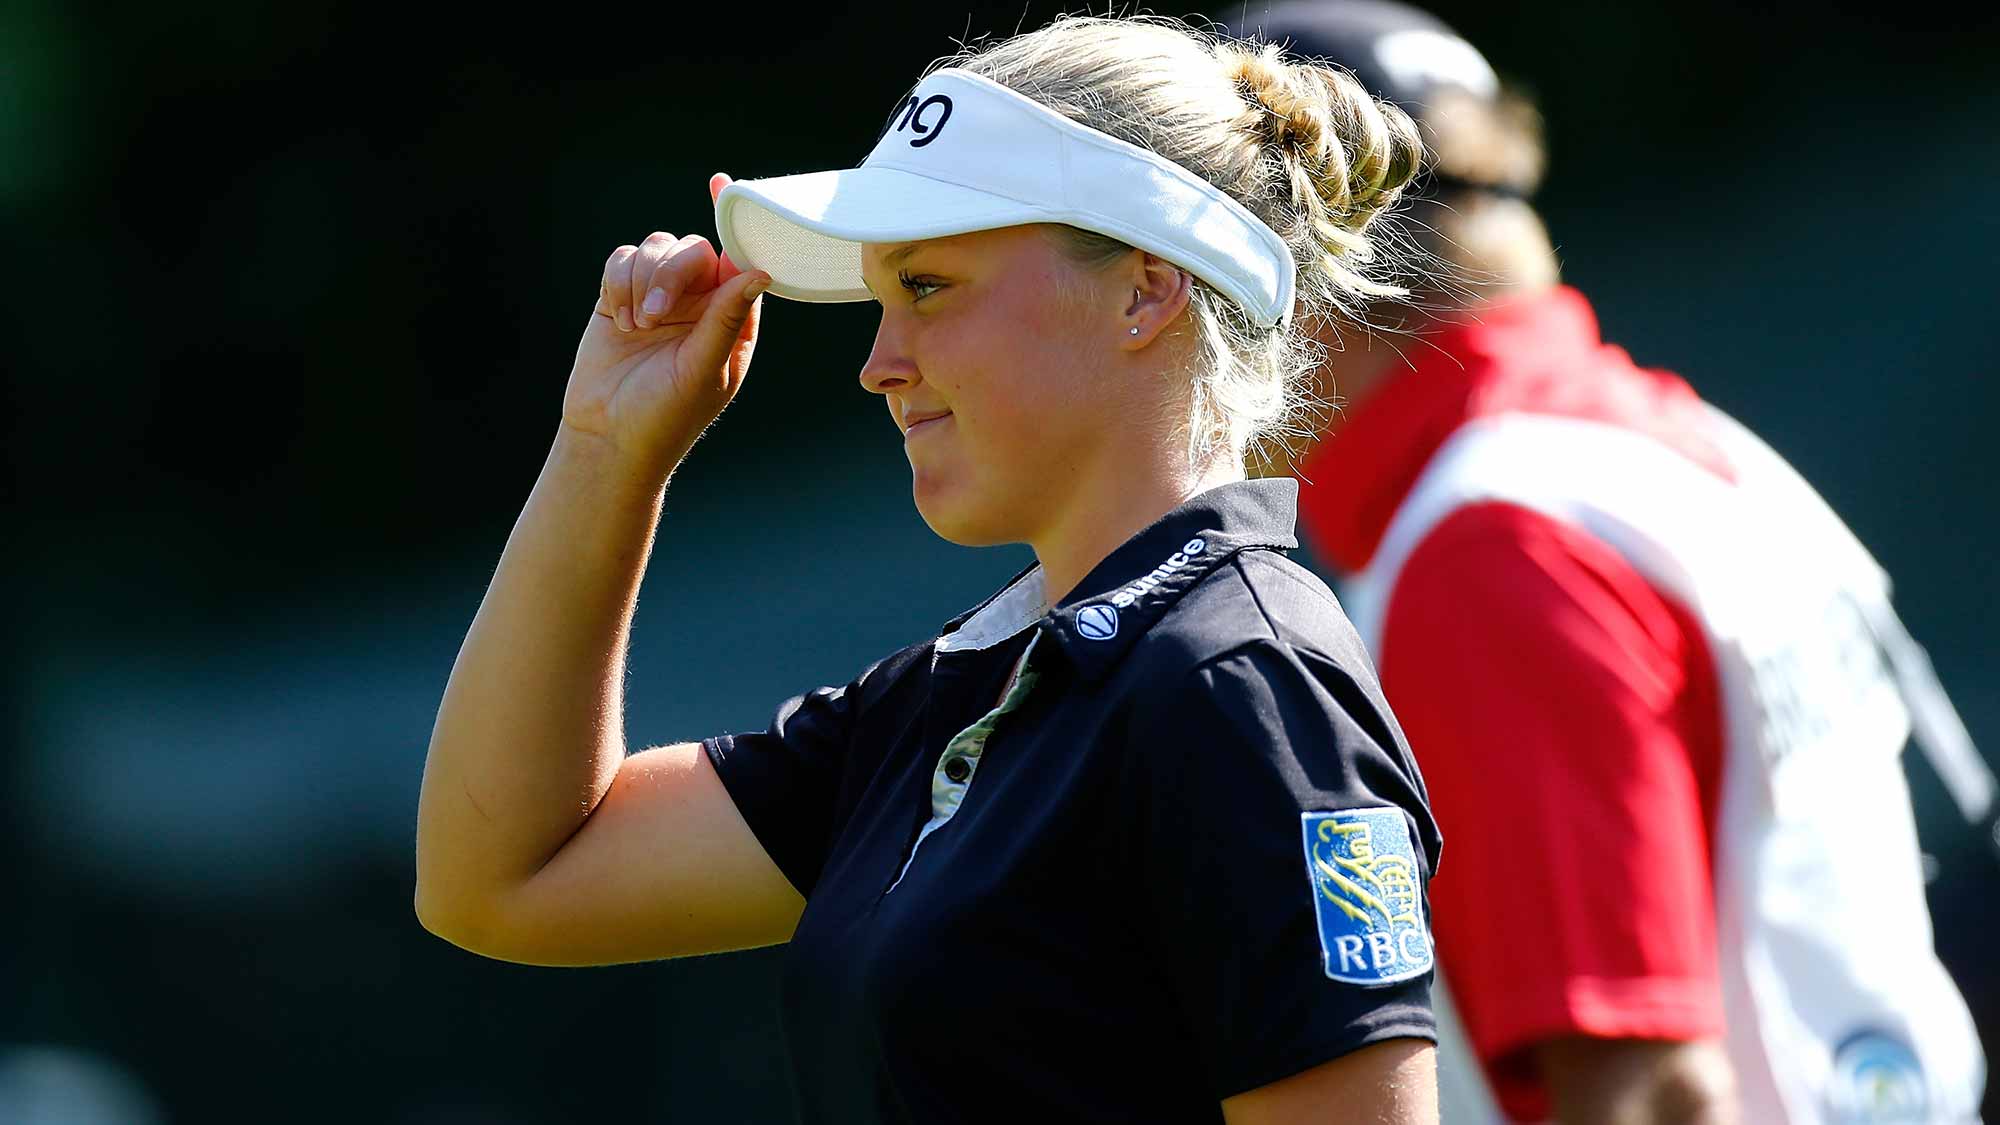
[(1137, 838)]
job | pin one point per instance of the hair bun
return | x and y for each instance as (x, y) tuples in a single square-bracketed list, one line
[(1289, 120), (1351, 151)]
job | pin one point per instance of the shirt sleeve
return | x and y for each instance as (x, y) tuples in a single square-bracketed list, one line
[(1565, 717), (1229, 768), (786, 780)]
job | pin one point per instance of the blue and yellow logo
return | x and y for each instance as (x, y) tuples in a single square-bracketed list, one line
[(1368, 893)]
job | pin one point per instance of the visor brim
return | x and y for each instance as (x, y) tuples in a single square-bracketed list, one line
[(806, 230)]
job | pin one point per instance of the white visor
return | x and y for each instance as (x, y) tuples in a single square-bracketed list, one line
[(964, 153)]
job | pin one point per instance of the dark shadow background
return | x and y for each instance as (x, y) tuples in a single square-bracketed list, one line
[(291, 292)]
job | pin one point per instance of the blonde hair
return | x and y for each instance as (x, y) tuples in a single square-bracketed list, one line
[(1303, 147)]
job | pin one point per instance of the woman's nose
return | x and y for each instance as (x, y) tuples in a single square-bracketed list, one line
[(889, 368)]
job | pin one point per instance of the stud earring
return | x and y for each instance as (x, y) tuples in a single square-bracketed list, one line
[(1135, 330)]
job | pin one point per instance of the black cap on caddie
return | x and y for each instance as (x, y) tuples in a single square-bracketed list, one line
[(1401, 54)]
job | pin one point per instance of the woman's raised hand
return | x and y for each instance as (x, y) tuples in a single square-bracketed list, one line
[(667, 346)]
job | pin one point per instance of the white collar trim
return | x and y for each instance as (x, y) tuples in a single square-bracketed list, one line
[(1019, 606)]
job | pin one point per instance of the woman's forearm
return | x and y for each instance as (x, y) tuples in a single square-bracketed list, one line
[(530, 732)]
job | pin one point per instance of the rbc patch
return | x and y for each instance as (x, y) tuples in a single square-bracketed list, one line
[(1368, 895)]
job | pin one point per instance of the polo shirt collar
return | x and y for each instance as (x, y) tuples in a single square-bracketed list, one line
[(1018, 605), (1136, 584)]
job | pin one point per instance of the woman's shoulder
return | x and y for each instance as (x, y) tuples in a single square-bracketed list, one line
[(1265, 624), (1260, 602), (898, 670), (1262, 682)]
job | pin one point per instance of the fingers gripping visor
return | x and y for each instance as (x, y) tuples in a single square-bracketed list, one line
[(963, 154)]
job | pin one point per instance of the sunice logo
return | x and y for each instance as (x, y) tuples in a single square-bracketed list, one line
[(912, 116), (1128, 596), (1097, 622)]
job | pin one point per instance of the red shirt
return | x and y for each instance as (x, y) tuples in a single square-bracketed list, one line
[(1564, 712)]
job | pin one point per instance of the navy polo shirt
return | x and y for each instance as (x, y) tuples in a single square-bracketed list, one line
[(1115, 860)]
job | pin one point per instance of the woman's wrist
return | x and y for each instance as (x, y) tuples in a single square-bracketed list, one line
[(602, 469)]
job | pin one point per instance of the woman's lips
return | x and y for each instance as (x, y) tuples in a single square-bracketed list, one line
[(924, 422)]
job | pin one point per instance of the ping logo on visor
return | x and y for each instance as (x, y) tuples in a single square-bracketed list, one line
[(1367, 895), (912, 117)]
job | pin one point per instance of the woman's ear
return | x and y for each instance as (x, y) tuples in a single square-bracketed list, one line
[(1160, 293)]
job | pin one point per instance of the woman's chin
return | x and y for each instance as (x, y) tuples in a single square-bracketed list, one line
[(954, 512)]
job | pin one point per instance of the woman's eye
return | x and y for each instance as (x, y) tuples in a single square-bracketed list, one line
[(918, 287)]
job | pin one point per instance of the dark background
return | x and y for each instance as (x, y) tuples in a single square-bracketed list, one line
[(291, 292)]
